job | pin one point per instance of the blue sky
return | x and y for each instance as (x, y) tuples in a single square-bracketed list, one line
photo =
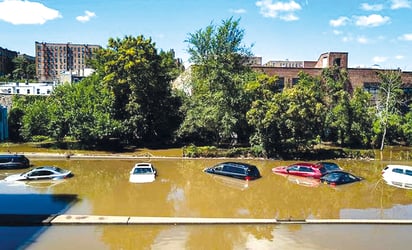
[(371, 31)]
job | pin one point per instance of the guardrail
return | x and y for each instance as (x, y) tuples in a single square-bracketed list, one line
[(66, 219)]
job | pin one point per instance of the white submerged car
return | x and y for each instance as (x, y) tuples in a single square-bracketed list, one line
[(142, 173), (41, 173), (398, 176)]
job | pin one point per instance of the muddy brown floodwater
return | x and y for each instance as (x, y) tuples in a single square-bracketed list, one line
[(181, 189)]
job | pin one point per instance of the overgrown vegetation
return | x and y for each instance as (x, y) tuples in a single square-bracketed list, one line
[(226, 109)]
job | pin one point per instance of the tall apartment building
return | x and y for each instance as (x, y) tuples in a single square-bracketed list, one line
[(55, 59), (6, 61)]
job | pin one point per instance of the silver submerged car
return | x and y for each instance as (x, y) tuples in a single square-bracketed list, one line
[(41, 173)]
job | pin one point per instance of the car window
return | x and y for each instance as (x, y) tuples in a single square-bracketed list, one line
[(253, 171), (408, 172), (306, 169), (41, 173), (5, 159), (293, 168), (142, 170), (397, 170)]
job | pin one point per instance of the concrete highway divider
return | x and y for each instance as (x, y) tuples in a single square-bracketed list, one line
[(67, 219)]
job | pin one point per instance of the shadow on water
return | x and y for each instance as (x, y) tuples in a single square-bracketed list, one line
[(21, 215)]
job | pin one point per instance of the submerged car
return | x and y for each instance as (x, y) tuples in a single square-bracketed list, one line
[(398, 175), (237, 170), (142, 173), (16, 161), (304, 169), (307, 169), (339, 178), (41, 173)]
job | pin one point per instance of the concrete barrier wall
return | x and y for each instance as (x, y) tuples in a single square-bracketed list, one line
[(66, 219)]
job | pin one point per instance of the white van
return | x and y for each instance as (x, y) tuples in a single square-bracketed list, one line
[(398, 175)]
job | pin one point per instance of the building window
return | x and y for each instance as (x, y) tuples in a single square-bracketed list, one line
[(28, 91), (336, 62), (18, 91), (38, 91)]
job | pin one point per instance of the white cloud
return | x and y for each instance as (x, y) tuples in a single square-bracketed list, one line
[(283, 10), (379, 59), (238, 11), (87, 16), (373, 20), (25, 12), (346, 39), (371, 7), (362, 40), (399, 4), (406, 37), (341, 21), (289, 17), (399, 57), (337, 32)]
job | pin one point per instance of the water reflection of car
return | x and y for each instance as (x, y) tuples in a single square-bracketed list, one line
[(142, 173), (236, 170), (14, 161), (231, 182), (398, 176), (303, 181), (41, 173), (339, 178)]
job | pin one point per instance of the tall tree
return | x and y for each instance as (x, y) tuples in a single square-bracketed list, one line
[(388, 102), (218, 76), (139, 78)]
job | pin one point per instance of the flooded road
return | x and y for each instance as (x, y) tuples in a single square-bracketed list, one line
[(181, 189)]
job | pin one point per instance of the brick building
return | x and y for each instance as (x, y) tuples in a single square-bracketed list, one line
[(55, 59), (6, 61), (366, 78)]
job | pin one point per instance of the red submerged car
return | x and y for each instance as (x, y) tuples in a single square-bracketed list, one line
[(304, 169)]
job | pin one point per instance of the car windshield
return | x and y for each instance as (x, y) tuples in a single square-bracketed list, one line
[(142, 170), (333, 177)]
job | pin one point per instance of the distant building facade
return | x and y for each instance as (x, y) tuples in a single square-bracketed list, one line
[(55, 59), (26, 88), (6, 61), (366, 78)]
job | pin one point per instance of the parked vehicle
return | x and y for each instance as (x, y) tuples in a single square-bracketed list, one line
[(339, 178), (237, 170), (41, 173), (304, 169), (142, 173), (307, 169), (14, 161), (398, 175)]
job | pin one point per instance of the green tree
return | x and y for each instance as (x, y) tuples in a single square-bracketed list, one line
[(217, 108), (84, 111), (139, 78), (23, 68), (290, 120), (361, 118)]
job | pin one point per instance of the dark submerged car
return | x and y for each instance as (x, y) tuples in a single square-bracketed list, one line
[(15, 161), (339, 178), (328, 167), (237, 170)]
